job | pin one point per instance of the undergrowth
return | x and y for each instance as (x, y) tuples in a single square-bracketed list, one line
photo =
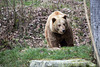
[(20, 57)]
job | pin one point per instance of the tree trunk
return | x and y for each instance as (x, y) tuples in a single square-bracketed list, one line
[(95, 24)]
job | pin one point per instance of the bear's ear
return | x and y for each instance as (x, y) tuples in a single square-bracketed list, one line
[(53, 20), (65, 16)]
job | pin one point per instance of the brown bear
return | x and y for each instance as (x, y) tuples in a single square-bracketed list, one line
[(58, 32)]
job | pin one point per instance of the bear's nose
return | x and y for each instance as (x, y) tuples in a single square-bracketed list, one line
[(63, 31)]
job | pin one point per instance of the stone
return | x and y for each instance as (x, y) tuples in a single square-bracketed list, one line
[(62, 63)]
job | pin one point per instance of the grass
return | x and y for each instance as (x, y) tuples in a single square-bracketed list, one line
[(20, 57), (17, 2), (35, 2)]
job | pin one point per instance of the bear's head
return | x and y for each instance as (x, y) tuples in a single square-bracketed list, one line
[(58, 24)]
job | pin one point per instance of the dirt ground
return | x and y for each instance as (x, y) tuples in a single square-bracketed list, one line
[(31, 28)]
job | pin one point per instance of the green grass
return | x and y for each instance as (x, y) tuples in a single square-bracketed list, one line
[(17, 2), (35, 2), (18, 57), (28, 3), (88, 3)]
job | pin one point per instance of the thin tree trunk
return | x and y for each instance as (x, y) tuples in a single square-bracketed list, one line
[(14, 11)]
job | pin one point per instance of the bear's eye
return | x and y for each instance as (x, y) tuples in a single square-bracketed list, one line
[(64, 24), (59, 25)]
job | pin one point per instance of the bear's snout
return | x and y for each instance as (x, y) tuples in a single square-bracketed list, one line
[(63, 31)]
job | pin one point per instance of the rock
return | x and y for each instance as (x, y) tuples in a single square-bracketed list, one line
[(62, 63)]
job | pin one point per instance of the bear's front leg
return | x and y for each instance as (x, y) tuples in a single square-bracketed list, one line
[(69, 37), (69, 41), (53, 42)]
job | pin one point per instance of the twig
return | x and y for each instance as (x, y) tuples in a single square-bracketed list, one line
[(16, 10)]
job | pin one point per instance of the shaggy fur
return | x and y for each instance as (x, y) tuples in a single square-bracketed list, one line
[(58, 32)]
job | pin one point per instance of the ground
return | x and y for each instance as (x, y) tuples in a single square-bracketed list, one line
[(23, 31), (28, 28), (22, 56)]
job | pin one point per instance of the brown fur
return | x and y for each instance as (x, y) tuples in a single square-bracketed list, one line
[(54, 35)]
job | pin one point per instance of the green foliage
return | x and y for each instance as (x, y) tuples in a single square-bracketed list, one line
[(41, 35), (21, 56), (27, 37), (4, 43), (88, 3), (75, 18), (35, 2), (28, 3), (9, 58), (45, 41)]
